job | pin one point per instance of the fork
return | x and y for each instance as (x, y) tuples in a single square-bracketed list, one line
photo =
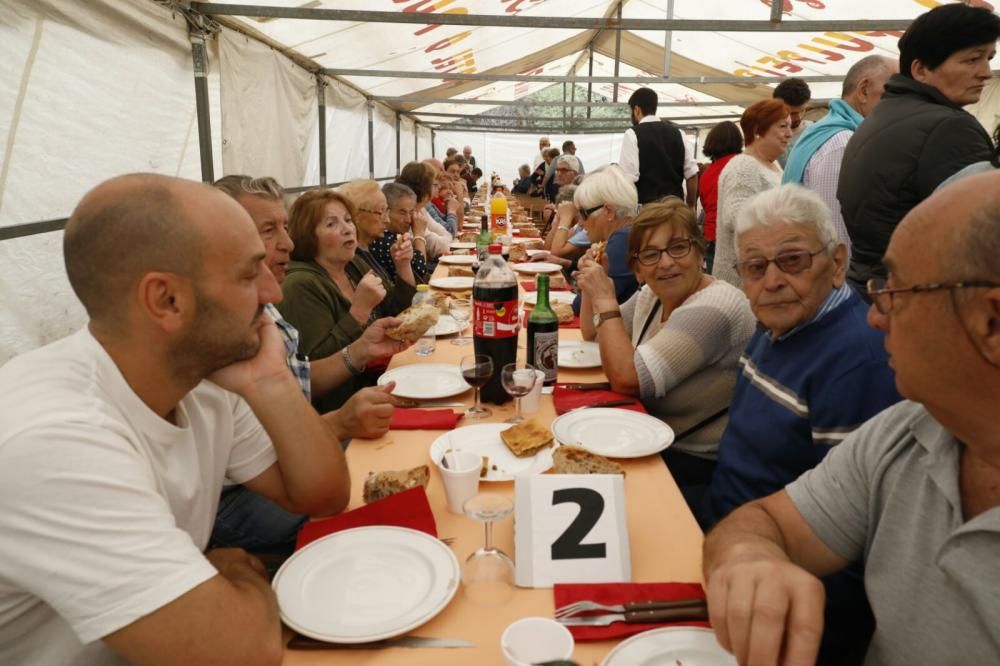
[(652, 616), (584, 606), (447, 540)]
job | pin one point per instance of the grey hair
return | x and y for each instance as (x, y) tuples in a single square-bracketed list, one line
[(867, 66), (572, 161), (609, 184), (524, 167), (565, 193), (787, 204), (977, 244), (236, 184), (396, 191)]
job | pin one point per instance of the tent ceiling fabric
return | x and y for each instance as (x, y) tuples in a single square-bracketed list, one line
[(436, 48)]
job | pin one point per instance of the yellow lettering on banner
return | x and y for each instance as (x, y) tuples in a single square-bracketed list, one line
[(447, 41), (779, 64), (433, 26), (831, 56), (794, 55), (464, 62)]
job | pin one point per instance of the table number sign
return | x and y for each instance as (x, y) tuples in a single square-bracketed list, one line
[(570, 528)]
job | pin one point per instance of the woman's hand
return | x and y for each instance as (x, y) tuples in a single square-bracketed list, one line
[(419, 225), (551, 258), (565, 213), (593, 282), (369, 293), (401, 251)]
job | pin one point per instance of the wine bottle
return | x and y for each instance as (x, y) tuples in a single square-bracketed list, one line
[(543, 333)]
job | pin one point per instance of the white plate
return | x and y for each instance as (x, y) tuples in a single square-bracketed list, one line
[(458, 245), (537, 267), (689, 646), (615, 433), (446, 326), (452, 282), (531, 297), (471, 226), (484, 439), (526, 239), (366, 584), (457, 259), (535, 251), (425, 381), (579, 354)]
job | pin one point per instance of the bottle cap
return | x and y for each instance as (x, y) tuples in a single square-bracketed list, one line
[(496, 248), (423, 287)]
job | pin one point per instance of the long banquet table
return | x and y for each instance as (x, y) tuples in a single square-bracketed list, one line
[(664, 538)]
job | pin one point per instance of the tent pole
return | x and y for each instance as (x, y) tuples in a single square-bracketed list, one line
[(371, 139), (416, 140), (668, 38), (590, 84), (618, 50), (433, 134), (321, 96), (199, 58), (399, 148), (776, 7)]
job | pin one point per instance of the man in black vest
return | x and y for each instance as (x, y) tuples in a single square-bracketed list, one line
[(655, 154)]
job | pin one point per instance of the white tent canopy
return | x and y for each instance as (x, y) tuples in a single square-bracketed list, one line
[(98, 88)]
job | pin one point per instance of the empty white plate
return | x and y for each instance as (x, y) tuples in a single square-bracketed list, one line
[(446, 325), (535, 251), (537, 267), (425, 381), (579, 354), (484, 439), (458, 245), (457, 259), (614, 433), (366, 584), (452, 282), (689, 646), (531, 297)]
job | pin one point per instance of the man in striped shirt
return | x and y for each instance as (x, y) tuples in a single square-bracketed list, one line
[(812, 374)]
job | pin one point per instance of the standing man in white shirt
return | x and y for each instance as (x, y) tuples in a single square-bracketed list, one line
[(114, 441), (655, 155), (543, 145)]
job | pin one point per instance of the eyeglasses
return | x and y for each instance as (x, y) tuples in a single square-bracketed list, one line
[(677, 250), (587, 212), (564, 170), (790, 262), (882, 296), (379, 213)]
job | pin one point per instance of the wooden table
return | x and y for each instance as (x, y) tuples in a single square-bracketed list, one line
[(665, 539)]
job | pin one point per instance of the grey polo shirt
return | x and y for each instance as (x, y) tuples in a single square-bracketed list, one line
[(890, 493)]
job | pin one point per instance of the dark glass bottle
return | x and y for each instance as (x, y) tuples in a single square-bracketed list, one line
[(543, 334)]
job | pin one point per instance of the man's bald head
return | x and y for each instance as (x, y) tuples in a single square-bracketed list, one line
[(961, 222), (436, 163), (126, 227)]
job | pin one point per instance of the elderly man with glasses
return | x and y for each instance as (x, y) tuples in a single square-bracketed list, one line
[(812, 374), (914, 491)]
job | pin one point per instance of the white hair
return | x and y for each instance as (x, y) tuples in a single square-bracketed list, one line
[(609, 184), (787, 204), (572, 161)]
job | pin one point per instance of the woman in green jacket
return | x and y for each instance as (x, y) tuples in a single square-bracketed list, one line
[(331, 295)]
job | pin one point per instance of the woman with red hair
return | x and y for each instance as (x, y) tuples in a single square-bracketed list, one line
[(766, 131)]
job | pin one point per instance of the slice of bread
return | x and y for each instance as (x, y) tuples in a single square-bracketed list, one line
[(557, 280), (518, 253), (380, 485), (564, 311), (460, 271), (526, 438), (598, 248), (574, 460), (417, 320)]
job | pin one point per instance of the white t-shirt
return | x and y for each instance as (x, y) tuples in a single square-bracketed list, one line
[(105, 508)]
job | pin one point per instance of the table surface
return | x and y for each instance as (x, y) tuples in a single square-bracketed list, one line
[(664, 538)]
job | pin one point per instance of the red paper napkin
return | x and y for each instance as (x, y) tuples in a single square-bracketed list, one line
[(529, 285), (423, 419), (409, 508), (566, 399), (619, 593)]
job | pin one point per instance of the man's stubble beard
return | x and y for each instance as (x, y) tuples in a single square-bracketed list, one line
[(210, 343)]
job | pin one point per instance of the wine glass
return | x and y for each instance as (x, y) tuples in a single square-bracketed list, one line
[(477, 371), (518, 382), (488, 574), (461, 311)]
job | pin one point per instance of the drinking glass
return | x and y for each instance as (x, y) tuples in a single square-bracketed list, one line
[(518, 382), (488, 574), (461, 311), (476, 371)]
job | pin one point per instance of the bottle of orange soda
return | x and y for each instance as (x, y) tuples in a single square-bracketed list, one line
[(499, 221)]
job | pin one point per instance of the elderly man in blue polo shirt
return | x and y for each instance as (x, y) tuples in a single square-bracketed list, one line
[(812, 374)]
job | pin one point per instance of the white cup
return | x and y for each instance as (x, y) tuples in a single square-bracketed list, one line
[(532, 640), (461, 477), (530, 402)]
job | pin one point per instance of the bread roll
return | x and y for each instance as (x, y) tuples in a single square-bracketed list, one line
[(574, 460), (383, 484), (526, 438), (417, 320)]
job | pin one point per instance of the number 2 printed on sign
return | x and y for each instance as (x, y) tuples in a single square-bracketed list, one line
[(569, 545)]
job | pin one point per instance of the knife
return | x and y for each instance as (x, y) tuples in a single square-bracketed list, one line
[(300, 642), (416, 403), (593, 386), (606, 403)]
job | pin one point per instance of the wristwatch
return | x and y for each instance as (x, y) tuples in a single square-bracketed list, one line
[(600, 318)]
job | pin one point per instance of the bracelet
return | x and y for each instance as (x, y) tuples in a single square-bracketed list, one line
[(420, 238), (562, 228), (354, 370)]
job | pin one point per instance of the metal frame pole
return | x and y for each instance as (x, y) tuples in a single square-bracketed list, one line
[(590, 84), (618, 50), (371, 139), (668, 39), (321, 106), (399, 148), (433, 137), (416, 140), (199, 59)]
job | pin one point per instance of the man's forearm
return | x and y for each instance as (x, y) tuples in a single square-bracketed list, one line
[(747, 533), (692, 191), (313, 468), (327, 374)]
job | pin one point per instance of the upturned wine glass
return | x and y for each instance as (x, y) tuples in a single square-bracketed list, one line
[(518, 381), (461, 311), (477, 371), (488, 573)]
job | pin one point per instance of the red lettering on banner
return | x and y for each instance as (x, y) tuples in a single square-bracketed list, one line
[(831, 56), (464, 61), (859, 45), (883, 33), (794, 55), (515, 7), (786, 5), (780, 64), (447, 41)]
